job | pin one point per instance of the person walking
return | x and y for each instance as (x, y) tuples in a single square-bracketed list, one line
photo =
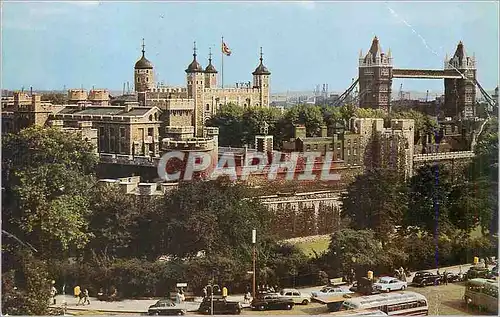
[(86, 297), (53, 292), (77, 291), (205, 292), (445, 278)]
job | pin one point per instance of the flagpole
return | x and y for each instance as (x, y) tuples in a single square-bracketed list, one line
[(222, 62)]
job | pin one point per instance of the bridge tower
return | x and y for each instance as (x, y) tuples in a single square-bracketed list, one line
[(460, 93), (375, 78)]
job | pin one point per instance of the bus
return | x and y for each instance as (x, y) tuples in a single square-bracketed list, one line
[(400, 303), (359, 312), (482, 293)]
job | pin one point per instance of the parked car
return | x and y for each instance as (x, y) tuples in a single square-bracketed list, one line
[(220, 305), (165, 307), (424, 278), (387, 284), (477, 272), (331, 291), (272, 301), (296, 296)]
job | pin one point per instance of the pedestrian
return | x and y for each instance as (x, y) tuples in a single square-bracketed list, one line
[(86, 297), (224, 292), (445, 278), (53, 292), (77, 291), (205, 293), (178, 297), (81, 296)]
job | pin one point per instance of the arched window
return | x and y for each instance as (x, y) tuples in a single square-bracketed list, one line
[(156, 117), (150, 117)]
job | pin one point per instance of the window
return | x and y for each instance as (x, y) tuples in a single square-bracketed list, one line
[(150, 131), (207, 107), (156, 116), (150, 117), (122, 132)]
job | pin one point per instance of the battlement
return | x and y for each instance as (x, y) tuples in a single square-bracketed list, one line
[(179, 129), (233, 91), (443, 156), (99, 95), (75, 95), (191, 144), (179, 104)]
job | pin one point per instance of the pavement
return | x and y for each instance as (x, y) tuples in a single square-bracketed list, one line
[(140, 306)]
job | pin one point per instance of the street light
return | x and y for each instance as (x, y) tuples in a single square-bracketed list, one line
[(254, 240)]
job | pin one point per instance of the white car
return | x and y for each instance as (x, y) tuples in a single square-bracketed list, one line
[(296, 296), (387, 284), (331, 291)]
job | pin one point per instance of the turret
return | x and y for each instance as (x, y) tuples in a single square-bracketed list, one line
[(143, 73), (261, 81)]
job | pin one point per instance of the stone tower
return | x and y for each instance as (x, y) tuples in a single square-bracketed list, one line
[(143, 73), (195, 86), (210, 73), (375, 78), (261, 81), (460, 94)]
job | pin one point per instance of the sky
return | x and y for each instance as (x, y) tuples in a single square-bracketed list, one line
[(56, 45)]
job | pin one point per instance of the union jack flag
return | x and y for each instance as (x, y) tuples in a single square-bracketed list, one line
[(225, 49)]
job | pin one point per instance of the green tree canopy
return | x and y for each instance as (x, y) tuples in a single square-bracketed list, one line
[(376, 200), (46, 174), (212, 216), (229, 121), (429, 192)]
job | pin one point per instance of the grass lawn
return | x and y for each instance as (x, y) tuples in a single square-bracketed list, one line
[(318, 244)]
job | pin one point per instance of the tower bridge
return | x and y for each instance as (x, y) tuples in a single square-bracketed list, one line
[(376, 72)]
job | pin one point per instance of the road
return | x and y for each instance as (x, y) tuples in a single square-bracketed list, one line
[(453, 300)]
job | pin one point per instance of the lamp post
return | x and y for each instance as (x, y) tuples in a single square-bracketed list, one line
[(254, 239)]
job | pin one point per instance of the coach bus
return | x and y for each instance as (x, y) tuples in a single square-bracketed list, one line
[(482, 293), (400, 303), (359, 312)]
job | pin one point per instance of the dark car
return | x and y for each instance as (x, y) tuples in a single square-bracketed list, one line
[(364, 286), (165, 307), (452, 277), (272, 301), (423, 278), (220, 305), (477, 272)]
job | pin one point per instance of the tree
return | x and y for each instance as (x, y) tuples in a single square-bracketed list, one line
[(309, 116), (113, 221), (229, 121), (46, 175), (356, 249), (428, 208), (376, 200), (210, 216), (254, 119), (483, 172), (31, 293)]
